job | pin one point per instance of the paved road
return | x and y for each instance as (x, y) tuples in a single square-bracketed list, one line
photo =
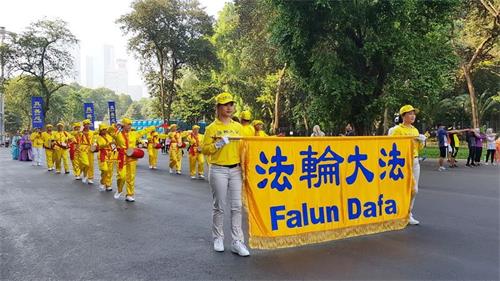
[(52, 227)]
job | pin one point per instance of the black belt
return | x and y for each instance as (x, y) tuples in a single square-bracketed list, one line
[(229, 166)]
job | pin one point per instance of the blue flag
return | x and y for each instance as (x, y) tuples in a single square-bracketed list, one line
[(37, 112), (88, 112), (112, 112)]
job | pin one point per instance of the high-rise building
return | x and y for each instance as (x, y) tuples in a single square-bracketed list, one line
[(89, 72), (77, 66)]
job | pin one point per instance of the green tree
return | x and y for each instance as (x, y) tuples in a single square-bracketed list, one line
[(167, 35), (43, 52)]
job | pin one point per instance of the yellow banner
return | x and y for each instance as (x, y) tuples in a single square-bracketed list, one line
[(309, 190)]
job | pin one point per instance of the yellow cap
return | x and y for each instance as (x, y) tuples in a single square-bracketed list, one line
[(86, 122), (224, 98), (103, 126), (173, 126), (76, 124), (246, 115), (407, 108), (155, 133), (60, 124), (126, 121), (195, 127), (258, 122), (48, 126)]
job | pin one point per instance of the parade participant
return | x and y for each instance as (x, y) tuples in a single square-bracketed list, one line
[(397, 121), (37, 143), (25, 153), (245, 118), (48, 145), (175, 150), (317, 132), (195, 140), (61, 140), (490, 146), (153, 146), (259, 128), (408, 115), (225, 176), (349, 130), (107, 157), (480, 137), (85, 155), (74, 153), (125, 139)]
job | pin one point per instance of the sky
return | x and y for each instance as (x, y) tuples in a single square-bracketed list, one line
[(91, 21)]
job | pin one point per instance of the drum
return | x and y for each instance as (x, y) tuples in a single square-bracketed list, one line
[(136, 153), (158, 146)]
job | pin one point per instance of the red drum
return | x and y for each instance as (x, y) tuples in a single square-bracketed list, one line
[(158, 145), (136, 153)]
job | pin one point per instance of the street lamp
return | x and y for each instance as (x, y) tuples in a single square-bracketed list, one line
[(2, 94)]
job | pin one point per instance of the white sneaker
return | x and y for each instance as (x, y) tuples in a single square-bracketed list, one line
[(117, 195), (171, 171), (154, 167), (109, 188), (58, 172), (178, 172), (78, 178), (130, 198), (201, 177), (239, 248), (193, 177), (441, 169), (486, 164), (102, 187), (219, 245), (90, 181), (84, 180), (38, 164), (413, 221), (151, 167)]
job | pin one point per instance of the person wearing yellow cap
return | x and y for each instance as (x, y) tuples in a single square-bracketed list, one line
[(126, 139), (195, 140), (408, 115), (48, 145), (74, 149), (175, 150), (225, 176), (61, 140), (37, 141), (85, 154), (107, 155), (153, 146), (245, 119), (259, 128)]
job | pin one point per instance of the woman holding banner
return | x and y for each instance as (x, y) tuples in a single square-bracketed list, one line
[(225, 173), (408, 114)]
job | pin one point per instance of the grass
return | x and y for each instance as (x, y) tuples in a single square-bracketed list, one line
[(433, 152)]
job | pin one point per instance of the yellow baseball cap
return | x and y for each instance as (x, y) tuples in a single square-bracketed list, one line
[(258, 122), (103, 126), (126, 121), (48, 126), (224, 98), (60, 124), (86, 122), (195, 127), (76, 124), (407, 108), (246, 115)]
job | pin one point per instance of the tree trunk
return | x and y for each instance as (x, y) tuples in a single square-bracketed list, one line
[(277, 100), (386, 121), (472, 95), (170, 97), (162, 89)]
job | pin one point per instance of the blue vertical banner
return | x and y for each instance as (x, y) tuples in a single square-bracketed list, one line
[(37, 112), (88, 111), (112, 112)]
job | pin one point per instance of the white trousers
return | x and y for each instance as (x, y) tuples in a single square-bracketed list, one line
[(37, 155), (416, 178), (226, 183)]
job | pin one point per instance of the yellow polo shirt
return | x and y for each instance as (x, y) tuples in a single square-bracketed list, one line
[(229, 154), (247, 131), (37, 139)]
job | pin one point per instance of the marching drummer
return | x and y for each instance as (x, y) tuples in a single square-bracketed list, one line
[(175, 150), (225, 176), (48, 144), (128, 153), (61, 139), (153, 146), (86, 155), (107, 156), (195, 140), (74, 153)]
